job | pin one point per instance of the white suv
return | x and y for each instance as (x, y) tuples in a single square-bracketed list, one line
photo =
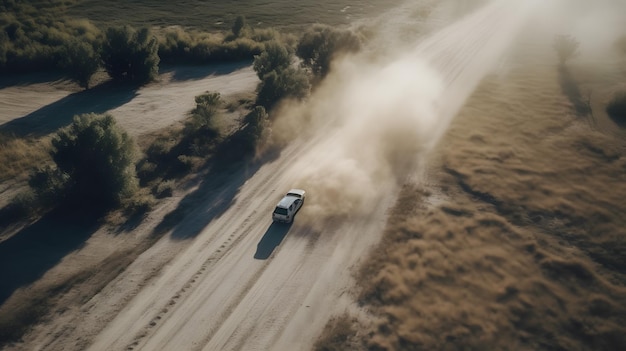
[(287, 207)]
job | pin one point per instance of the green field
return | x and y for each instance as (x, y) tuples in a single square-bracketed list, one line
[(219, 15)]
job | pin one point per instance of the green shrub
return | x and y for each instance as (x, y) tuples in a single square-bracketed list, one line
[(164, 189), (277, 85), (239, 26), (22, 205), (139, 203), (319, 46), (179, 46), (275, 56), (256, 123), (49, 184), (616, 108), (32, 39), (129, 55), (80, 61), (203, 115), (243, 143), (97, 157)]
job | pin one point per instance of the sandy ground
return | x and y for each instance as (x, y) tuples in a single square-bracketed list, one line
[(41, 108), (227, 278)]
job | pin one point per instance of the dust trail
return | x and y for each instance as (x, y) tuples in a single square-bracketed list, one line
[(387, 114)]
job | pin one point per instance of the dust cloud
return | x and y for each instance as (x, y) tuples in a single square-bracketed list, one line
[(520, 243), (376, 130), (376, 117)]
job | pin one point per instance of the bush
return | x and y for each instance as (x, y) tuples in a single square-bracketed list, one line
[(239, 26), (22, 205), (319, 46), (97, 158), (566, 47), (203, 114), (256, 123), (164, 189), (274, 57), (49, 184), (616, 108), (129, 55), (80, 61), (34, 39), (281, 84), (180, 46), (243, 143)]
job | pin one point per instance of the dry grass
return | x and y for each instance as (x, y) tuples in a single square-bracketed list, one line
[(19, 156), (340, 333), (220, 15), (523, 247)]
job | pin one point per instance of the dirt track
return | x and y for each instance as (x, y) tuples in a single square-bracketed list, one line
[(242, 283)]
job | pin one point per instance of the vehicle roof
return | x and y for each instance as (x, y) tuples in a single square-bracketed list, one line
[(286, 201), (296, 191)]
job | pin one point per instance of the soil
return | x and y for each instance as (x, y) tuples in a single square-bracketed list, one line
[(207, 269)]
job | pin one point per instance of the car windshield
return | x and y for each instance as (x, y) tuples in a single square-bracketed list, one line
[(294, 195), (280, 211)]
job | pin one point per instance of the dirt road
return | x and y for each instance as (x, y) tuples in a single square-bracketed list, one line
[(247, 284), (42, 108)]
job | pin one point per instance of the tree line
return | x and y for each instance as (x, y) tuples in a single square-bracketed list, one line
[(96, 162)]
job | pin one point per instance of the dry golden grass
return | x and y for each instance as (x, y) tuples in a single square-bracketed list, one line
[(19, 156), (520, 243)]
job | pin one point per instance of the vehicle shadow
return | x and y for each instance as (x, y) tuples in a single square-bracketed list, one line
[(49, 118), (30, 253), (271, 239)]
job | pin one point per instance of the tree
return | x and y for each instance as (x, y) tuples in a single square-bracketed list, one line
[(81, 61), (566, 47), (97, 158), (257, 122), (274, 57), (239, 26), (321, 45), (206, 108), (129, 55), (280, 84)]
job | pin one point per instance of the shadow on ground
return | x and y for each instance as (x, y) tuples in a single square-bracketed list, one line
[(195, 72), (271, 239), (9, 80), (215, 194), (60, 113), (29, 254), (570, 88)]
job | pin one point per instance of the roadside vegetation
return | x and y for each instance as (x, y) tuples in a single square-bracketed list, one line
[(92, 165)]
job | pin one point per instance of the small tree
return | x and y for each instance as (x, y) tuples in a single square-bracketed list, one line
[(96, 157), (321, 45), (239, 26), (206, 108), (257, 122), (280, 84), (566, 47), (129, 55), (81, 60), (274, 57)]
